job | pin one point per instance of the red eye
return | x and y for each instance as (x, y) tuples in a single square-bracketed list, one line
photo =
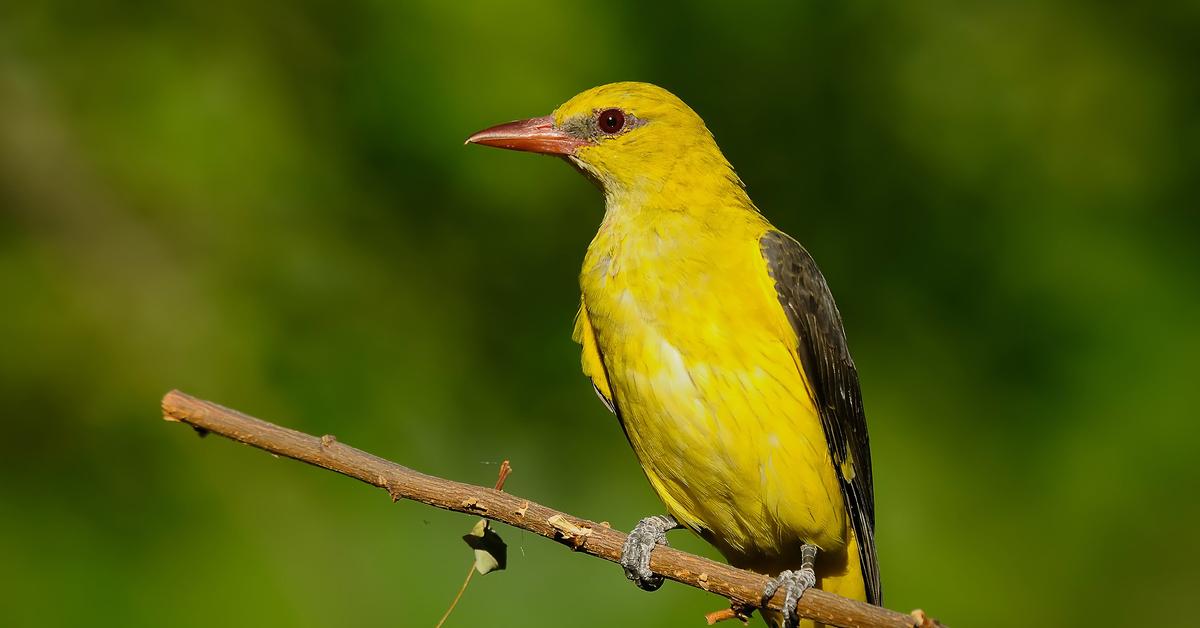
[(611, 121)]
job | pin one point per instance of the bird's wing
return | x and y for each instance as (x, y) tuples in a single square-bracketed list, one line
[(833, 380), (593, 364)]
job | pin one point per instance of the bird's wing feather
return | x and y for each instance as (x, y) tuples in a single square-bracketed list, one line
[(593, 364), (831, 375)]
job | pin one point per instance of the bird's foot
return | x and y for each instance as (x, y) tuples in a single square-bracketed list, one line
[(794, 583), (635, 556)]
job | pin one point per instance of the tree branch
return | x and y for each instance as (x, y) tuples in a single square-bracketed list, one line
[(741, 588)]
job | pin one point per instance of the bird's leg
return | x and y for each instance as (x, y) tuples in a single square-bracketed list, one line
[(635, 556), (795, 583)]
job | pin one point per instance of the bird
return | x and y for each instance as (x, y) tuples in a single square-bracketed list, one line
[(714, 339)]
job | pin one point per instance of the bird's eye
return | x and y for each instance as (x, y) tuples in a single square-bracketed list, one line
[(611, 121)]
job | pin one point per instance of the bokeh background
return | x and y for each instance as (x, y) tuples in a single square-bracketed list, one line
[(269, 205)]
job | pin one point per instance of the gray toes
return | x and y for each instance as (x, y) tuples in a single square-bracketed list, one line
[(794, 584), (635, 555)]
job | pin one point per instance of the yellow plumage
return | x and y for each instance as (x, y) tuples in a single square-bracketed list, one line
[(683, 332), (702, 359)]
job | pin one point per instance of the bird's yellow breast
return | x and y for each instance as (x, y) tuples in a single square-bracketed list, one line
[(689, 340)]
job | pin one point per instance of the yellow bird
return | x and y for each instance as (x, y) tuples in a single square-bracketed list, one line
[(715, 340)]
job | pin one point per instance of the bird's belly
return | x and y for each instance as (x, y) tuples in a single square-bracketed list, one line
[(726, 432)]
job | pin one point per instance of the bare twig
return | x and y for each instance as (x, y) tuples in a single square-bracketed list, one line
[(505, 469), (741, 588), (716, 617)]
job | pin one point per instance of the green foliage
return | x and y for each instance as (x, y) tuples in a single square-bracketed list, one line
[(268, 205)]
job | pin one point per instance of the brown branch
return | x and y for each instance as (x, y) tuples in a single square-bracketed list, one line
[(716, 617), (741, 588)]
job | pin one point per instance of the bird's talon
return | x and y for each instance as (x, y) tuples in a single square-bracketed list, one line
[(635, 556), (794, 584)]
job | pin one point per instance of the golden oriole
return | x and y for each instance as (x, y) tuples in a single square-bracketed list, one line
[(715, 340)]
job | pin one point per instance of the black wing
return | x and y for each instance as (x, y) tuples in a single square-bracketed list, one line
[(834, 380)]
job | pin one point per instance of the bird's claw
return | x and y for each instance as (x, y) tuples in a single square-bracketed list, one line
[(635, 556), (794, 584)]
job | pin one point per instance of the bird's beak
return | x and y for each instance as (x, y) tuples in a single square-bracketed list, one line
[(535, 135)]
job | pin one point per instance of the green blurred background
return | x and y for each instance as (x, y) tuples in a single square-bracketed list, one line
[(269, 205)]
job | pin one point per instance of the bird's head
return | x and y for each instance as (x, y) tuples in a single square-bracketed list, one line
[(630, 138)]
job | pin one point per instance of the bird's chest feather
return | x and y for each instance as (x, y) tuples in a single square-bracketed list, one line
[(707, 386)]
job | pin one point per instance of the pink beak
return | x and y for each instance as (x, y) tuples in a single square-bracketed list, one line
[(535, 135)]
